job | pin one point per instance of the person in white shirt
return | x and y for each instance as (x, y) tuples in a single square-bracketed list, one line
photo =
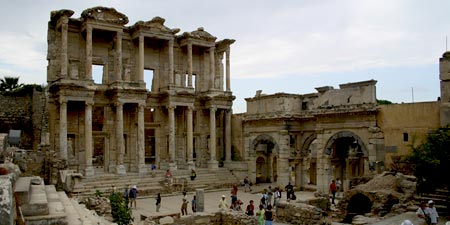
[(421, 211), (431, 212)]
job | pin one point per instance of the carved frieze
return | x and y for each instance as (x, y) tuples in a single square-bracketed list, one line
[(156, 24), (201, 34)]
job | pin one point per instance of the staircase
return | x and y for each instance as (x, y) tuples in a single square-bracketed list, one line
[(440, 198), (148, 185), (42, 204)]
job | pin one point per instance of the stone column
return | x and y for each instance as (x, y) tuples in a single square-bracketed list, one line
[(120, 147), (141, 58), (227, 68), (212, 164), (228, 135), (64, 61), (88, 146), (63, 129), (211, 67), (141, 139), (172, 152), (190, 137), (88, 65), (118, 56), (189, 55), (171, 61)]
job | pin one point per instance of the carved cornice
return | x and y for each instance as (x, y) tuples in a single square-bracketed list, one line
[(104, 14), (56, 15)]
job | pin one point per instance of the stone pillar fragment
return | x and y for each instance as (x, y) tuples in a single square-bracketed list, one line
[(118, 56), (141, 140), (190, 138), (88, 146), (228, 135), (189, 55), (88, 63), (200, 196), (141, 57), (173, 164), (227, 69), (120, 147), (63, 129), (212, 164), (212, 67), (64, 61), (171, 61)]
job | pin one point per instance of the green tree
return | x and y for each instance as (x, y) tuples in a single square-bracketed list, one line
[(119, 209), (9, 84), (431, 160), (383, 102)]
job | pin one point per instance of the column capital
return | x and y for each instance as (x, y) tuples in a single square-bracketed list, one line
[(89, 103), (118, 104), (213, 108), (191, 108), (171, 107), (63, 101)]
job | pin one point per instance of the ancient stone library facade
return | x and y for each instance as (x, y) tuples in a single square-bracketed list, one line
[(123, 97)]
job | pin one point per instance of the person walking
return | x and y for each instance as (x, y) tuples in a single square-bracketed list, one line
[(158, 202), (260, 215), (289, 190), (184, 207), (432, 212), (276, 197), (333, 191), (234, 191), (194, 204), (133, 195), (268, 215), (269, 195), (125, 196), (247, 184), (338, 187), (223, 205)]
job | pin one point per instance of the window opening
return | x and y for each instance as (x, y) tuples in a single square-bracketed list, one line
[(148, 78), (97, 74)]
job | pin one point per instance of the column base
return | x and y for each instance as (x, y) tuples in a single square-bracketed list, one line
[(191, 165), (142, 169), (120, 170), (89, 171), (172, 166), (213, 165)]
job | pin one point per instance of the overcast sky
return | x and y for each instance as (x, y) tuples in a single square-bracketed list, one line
[(281, 46)]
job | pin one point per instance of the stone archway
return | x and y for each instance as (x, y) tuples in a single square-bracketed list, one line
[(348, 152), (265, 149), (359, 204)]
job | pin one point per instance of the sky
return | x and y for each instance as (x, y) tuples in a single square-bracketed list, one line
[(290, 46)]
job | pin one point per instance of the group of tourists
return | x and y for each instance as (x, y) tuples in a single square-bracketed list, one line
[(130, 196), (335, 188), (428, 213)]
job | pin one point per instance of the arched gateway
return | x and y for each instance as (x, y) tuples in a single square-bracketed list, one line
[(265, 149)]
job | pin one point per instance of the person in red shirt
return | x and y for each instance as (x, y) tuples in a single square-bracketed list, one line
[(333, 191)]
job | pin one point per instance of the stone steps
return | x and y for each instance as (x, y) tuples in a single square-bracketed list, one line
[(148, 185)]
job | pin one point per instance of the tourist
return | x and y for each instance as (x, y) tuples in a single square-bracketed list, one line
[(263, 200), (193, 174), (289, 190), (158, 202), (247, 184), (250, 210), (234, 191), (184, 207), (338, 187), (421, 212), (407, 222), (223, 205), (431, 212), (260, 214), (133, 195), (194, 204), (268, 215), (168, 176), (269, 195), (236, 206), (153, 168), (333, 191), (125, 195), (276, 197)]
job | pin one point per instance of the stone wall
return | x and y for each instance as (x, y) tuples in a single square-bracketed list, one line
[(300, 213), (216, 218), (23, 112)]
